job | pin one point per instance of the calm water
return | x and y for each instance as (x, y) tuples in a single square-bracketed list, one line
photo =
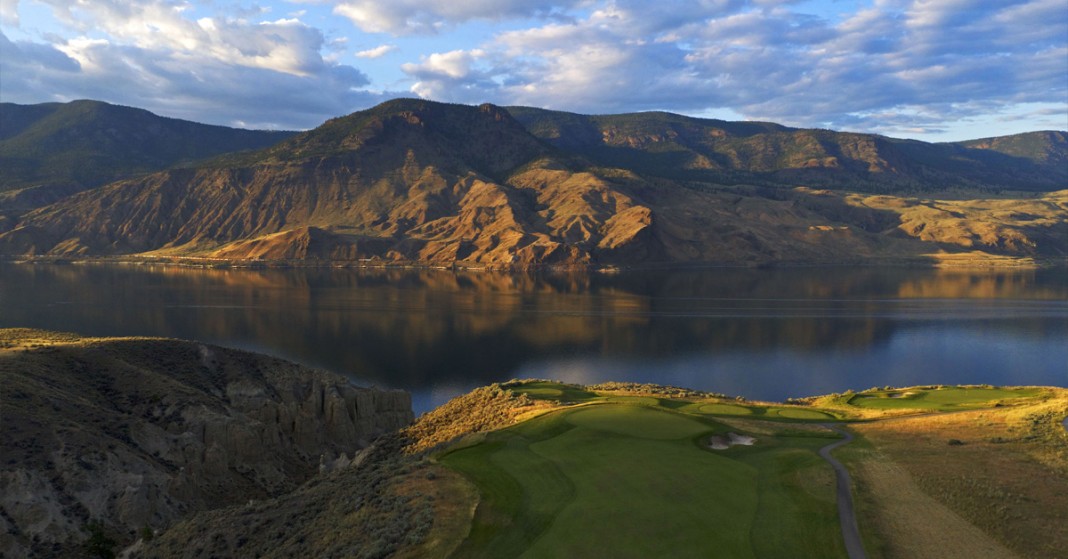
[(766, 334)]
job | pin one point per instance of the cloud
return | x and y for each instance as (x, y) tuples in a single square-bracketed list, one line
[(211, 90), (894, 66), (9, 12), (284, 45), (155, 54), (450, 75), (377, 52), (886, 66), (405, 17)]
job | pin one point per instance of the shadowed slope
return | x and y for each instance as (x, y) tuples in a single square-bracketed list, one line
[(83, 144)]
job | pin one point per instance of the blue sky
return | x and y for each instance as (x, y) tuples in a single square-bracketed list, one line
[(935, 70)]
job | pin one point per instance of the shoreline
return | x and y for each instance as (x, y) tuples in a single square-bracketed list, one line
[(994, 264)]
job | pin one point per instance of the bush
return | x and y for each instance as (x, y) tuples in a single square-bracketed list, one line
[(99, 545)]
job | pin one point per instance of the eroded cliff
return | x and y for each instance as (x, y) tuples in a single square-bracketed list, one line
[(135, 433)]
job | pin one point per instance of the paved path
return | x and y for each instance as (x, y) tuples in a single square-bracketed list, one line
[(846, 515), (1066, 424)]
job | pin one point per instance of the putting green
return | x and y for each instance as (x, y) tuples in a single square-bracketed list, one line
[(553, 391), (637, 421), (542, 393), (725, 409)]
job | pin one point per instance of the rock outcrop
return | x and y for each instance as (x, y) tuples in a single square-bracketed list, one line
[(138, 433)]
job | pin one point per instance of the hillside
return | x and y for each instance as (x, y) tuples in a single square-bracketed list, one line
[(134, 434), (414, 181), (60, 148), (719, 152)]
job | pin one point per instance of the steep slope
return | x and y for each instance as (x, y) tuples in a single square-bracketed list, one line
[(719, 152), (64, 147), (135, 432)]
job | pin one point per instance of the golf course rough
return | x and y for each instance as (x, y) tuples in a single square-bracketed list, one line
[(629, 480)]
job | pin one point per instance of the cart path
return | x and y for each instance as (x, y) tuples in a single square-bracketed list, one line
[(846, 515)]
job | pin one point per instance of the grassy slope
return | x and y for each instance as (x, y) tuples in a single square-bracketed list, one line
[(629, 477)]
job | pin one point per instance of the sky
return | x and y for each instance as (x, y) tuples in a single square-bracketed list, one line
[(934, 70)]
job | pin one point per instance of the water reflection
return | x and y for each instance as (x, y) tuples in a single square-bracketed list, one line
[(758, 333)]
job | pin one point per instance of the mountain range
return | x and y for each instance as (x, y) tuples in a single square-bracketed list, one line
[(419, 182)]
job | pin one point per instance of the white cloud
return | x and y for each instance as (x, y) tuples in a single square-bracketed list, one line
[(403, 17), (284, 45), (158, 55), (446, 75), (895, 66), (205, 90), (377, 52), (9, 12)]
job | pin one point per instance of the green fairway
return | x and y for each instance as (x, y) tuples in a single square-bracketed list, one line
[(788, 413), (725, 409), (629, 480), (939, 399)]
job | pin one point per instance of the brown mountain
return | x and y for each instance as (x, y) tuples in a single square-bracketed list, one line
[(414, 181), (720, 152)]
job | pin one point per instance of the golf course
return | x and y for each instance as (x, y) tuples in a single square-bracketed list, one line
[(634, 471)]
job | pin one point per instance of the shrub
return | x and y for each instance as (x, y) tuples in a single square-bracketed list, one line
[(99, 545)]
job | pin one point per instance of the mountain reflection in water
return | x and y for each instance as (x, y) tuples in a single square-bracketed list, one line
[(765, 334)]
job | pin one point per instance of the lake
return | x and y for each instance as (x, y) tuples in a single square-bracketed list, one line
[(761, 334)]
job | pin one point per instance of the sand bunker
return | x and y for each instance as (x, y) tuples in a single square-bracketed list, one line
[(723, 442)]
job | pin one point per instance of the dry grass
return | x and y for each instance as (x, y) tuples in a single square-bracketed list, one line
[(483, 409), (981, 232), (29, 338), (1005, 470), (453, 499), (913, 525)]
